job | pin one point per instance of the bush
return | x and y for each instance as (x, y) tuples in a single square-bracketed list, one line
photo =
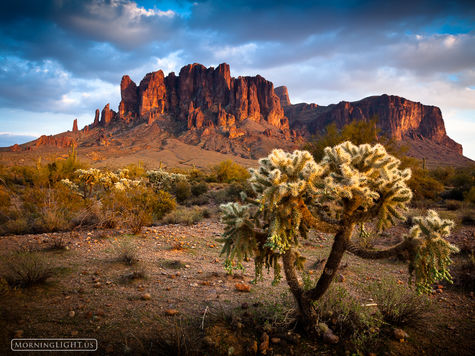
[(24, 269), (182, 191), (185, 216), (423, 186), (468, 219), (398, 304), (229, 171), (198, 189), (453, 205), (135, 208), (338, 308), (127, 252)]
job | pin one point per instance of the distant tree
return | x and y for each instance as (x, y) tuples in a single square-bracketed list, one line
[(351, 185)]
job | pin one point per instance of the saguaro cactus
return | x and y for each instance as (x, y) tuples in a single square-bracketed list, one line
[(351, 185)]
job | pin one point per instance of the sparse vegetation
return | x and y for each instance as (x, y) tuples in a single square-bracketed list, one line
[(398, 304), (127, 252), (186, 216), (25, 269)]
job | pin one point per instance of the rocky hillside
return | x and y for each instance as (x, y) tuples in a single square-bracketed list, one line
[(397, 117), (207, 109)]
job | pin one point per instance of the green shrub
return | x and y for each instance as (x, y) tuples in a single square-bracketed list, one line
[(135, 208), (198, 189), (470, 195), (344, 312), (398, 304), (162, 204), (423, 186), (24, 269), (182, 191), (229, 171)]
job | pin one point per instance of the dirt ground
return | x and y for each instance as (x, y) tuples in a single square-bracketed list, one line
[(93, 294)]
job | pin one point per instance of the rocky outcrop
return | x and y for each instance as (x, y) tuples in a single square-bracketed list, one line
[(397, 117), (75, 126), (283, 95), (128, 92), (60, 141), (96, 119), (202, 97), (107, 116)]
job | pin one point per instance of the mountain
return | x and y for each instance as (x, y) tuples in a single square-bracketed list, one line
[(203, 110)]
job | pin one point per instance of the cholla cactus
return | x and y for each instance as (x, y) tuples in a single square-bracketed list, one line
[(432, 251), (351, 185), (163, 180), (87, 179)]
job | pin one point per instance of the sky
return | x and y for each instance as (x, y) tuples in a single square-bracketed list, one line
[(62, 59)]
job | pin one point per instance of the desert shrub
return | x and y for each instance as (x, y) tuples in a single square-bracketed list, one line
[(233, 192), (185, 216), (198, 189), (24, 269), (347, 317), (127, 252), (398, 304), (181, 337), (461, 184), (468, 218), (136, 208), (453, 205), (182, 191), (202, 199), (229, 171), (423, 186), (470, 195), (136, 171), (162, 204), (463, 271)]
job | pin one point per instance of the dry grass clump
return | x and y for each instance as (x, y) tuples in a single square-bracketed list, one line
[(186, 216), (24, 269), (127, 252), (398, 304)]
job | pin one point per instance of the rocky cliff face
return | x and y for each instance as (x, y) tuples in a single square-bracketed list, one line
[(397, 117), (201, 97), (283, 95)]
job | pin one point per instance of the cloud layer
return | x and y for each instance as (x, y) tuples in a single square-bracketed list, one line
[(67, 57)]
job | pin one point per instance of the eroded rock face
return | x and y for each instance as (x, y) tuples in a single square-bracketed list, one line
[(107, 116), (203, 97), (128, 93), (56, 141), (397, 117), (283, 95)]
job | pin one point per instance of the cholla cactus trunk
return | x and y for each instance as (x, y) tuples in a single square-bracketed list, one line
[(351, 185)]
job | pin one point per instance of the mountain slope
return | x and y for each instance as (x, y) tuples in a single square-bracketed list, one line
[(202, 110)]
